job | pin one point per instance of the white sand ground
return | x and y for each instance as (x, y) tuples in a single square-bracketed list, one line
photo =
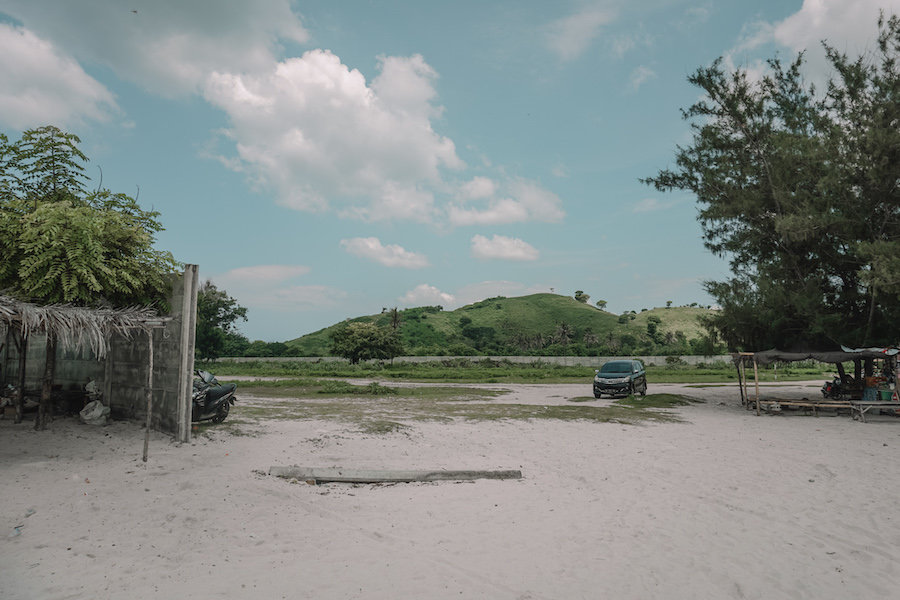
[(723, 505)]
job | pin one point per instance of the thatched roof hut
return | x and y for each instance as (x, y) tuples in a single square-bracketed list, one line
[(76, 327)]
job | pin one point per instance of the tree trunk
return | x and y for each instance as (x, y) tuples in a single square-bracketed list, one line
[(46, 405)]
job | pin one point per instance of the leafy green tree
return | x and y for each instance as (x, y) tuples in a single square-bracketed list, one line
[(61, 244), (236, 344), (799, 191), (582, 297), (364, 341), (259, 348), (217, 313), (601, 304)]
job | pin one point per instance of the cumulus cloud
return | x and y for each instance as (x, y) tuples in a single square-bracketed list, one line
[(390, 255), (502, 247), (523, 200), (312, 128), (424, 294), (848, 26), (39, 84), (166, 46), (571, 36), (478, 188)]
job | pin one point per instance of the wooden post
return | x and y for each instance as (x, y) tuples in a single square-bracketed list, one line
[(45, 405), (149, 396), (22, 344), (756, 378), (740, 365), (107, 373)]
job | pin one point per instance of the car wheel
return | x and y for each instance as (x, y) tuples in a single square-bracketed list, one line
[(597, 395), (644, 389)]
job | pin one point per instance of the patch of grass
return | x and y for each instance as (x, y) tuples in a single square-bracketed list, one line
[(437, 404), (486, 370), (332, 386), (583, 399), (379, 427), (659, 401)]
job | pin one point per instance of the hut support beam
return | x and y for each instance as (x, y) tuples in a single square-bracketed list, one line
[(149, 397)]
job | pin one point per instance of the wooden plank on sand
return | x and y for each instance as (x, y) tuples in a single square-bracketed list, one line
[(341, 475)]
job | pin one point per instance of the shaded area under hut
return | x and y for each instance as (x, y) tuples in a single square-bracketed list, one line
[(137, 362), (873, 385)]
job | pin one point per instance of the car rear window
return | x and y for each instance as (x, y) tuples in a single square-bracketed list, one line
[(616, 367)]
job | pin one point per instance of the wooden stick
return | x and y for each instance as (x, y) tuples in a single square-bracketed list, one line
[(756, 377), (149, 397)]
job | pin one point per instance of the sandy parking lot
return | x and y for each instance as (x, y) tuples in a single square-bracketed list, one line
[(722, 505)]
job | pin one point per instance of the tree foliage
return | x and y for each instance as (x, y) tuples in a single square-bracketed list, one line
[(217, 313), (801, 192), (62, 244), (364, 341)]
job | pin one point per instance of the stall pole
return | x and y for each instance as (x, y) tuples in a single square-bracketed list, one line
[(756, 378), (149, 396)]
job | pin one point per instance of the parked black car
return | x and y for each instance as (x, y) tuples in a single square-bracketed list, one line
[(620, 378)]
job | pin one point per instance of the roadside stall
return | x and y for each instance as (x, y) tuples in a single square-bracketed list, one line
[(874, 384)]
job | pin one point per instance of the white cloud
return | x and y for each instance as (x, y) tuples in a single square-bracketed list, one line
[(571, 36), (424, 294), (165, 46), (502, 247), (848, 26), (478, 188), (311, 129), (39, 84), (523, 200), (391, 255), (641, 75)]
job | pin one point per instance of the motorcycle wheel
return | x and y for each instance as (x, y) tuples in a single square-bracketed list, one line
[(222, 412)]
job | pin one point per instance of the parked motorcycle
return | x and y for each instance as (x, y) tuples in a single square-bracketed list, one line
[(835, 389), (211, 400)]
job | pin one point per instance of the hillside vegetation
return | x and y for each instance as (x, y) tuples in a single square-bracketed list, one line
[(539, 325)]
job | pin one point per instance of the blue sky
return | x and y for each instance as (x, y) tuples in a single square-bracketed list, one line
[(324, 160)]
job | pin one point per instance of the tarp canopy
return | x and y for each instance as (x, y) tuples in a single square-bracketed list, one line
[(836, 356)]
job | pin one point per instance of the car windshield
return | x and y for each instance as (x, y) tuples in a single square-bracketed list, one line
[(616, 368)]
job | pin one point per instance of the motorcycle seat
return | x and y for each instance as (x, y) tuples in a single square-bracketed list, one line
[(216, 392)]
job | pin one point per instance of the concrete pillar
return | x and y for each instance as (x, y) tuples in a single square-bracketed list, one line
[(188, 337)]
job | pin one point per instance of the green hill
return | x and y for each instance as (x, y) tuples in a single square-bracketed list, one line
[(539, 324)]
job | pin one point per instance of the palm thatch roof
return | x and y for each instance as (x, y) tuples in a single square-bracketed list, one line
[(76, 327)]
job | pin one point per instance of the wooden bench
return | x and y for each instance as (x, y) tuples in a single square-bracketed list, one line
[(858, 410), (815, 405)]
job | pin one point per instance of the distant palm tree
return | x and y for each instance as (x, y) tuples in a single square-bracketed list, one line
[(563, 334)]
